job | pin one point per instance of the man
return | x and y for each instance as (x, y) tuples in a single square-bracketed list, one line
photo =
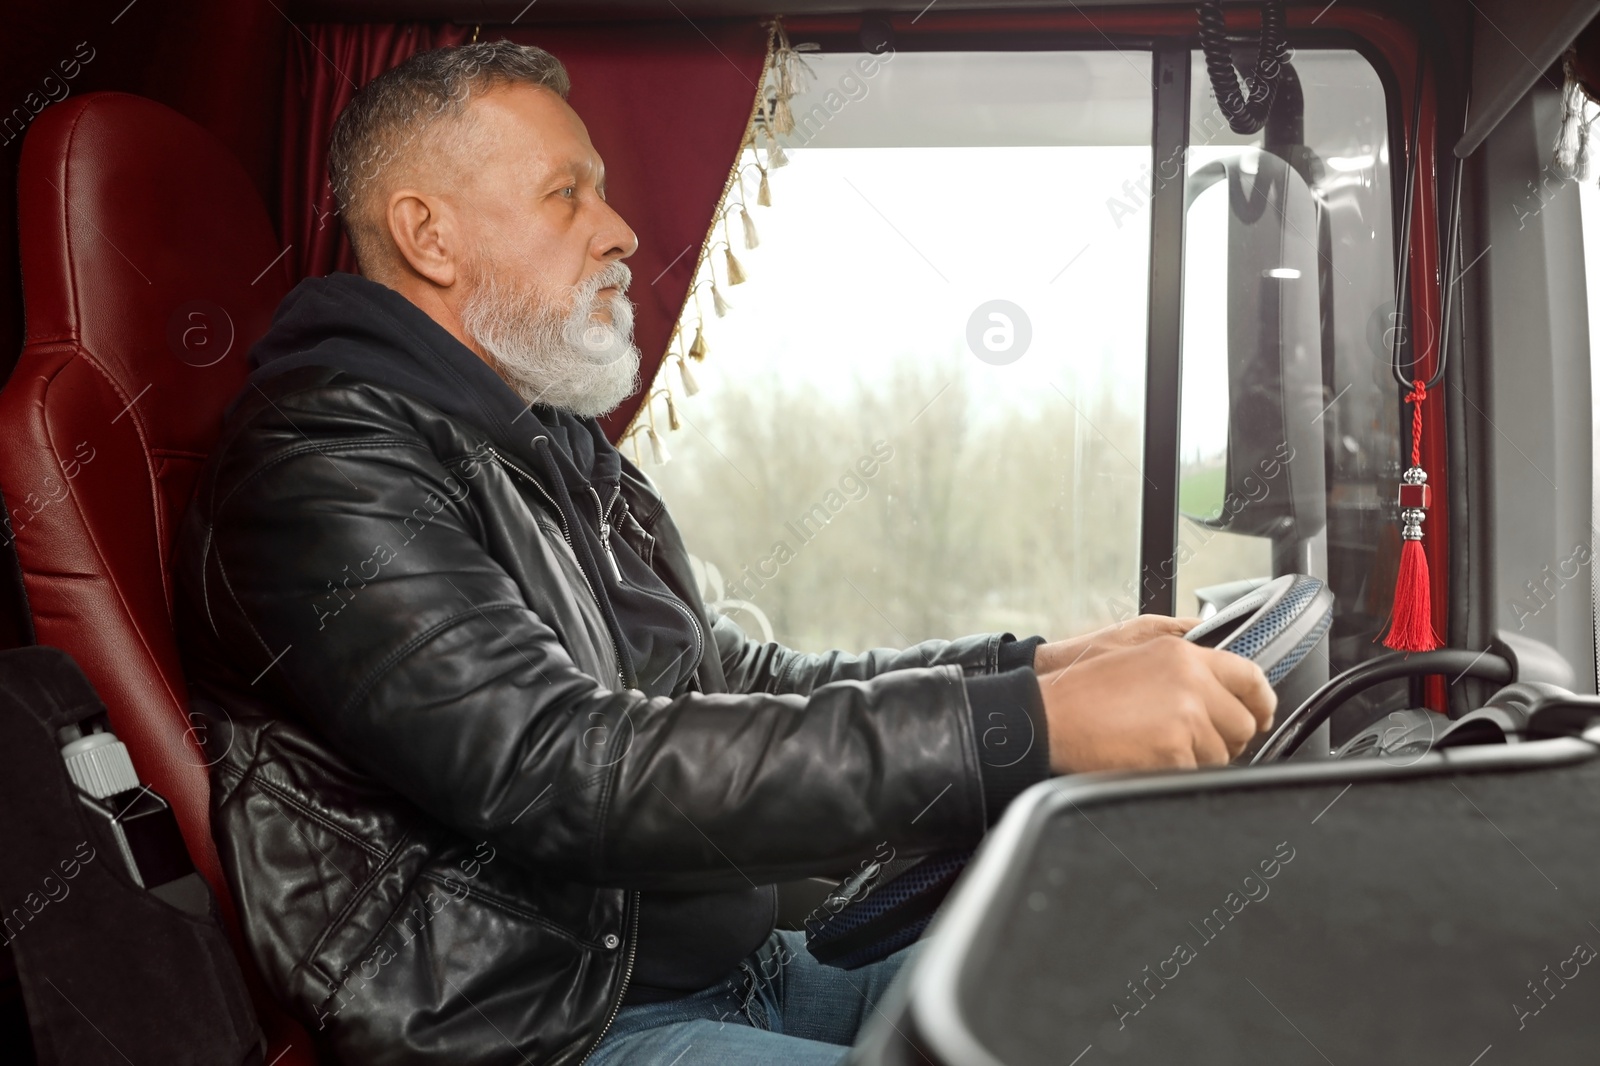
[(490, 783)]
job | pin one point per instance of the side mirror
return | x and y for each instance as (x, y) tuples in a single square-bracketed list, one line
[(1264, 474)]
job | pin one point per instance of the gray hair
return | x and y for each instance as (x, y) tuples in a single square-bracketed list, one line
[(426, 95)]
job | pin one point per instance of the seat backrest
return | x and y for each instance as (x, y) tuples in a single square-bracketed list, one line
[(149, 266)]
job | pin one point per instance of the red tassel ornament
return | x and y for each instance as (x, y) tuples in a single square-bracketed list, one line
[(1411, 619)]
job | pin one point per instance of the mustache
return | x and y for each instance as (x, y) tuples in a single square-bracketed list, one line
[(614, 274)]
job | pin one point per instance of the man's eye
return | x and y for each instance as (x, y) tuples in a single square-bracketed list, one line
[(570, 191)]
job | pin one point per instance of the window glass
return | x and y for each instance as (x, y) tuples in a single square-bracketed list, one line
[(1589, 208), (1290, 418), (922, 414)]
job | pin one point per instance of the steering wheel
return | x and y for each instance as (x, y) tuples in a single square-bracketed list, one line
[(886, 904), (1458, 662)]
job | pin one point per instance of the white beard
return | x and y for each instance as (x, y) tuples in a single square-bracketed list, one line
[(576, 361)]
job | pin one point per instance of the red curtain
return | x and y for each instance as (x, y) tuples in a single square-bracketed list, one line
[(666, 105)]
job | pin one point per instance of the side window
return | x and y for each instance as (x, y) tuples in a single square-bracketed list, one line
[(922, 413)]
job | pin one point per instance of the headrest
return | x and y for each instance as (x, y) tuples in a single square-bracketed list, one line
[(145, 244)]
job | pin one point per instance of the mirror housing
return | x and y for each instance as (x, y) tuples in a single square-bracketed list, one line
[(1275, 481)]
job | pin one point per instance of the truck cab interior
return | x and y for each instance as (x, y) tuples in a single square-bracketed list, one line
[(955, 316)]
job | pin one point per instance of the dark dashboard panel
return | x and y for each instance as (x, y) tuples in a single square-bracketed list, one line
[(1420, 909)]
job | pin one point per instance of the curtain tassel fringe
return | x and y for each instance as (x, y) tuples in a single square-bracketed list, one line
[(658, 447), (691, 387)]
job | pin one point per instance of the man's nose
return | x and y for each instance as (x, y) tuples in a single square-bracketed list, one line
[(615, 239)]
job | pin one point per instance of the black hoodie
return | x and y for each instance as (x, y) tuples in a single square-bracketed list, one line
[(687, 941)]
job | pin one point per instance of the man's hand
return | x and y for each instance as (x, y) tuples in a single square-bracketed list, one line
[(1164, 703), (1059, 654)]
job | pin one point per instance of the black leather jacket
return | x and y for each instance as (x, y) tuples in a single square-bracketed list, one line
[(436, 808)]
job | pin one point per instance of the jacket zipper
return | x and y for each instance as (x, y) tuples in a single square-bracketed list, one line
[(605, 538), (566, 534), (605, 528), (699, 637), (627, 975)]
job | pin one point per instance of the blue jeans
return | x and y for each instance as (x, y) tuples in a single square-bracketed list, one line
[(781, 1006)]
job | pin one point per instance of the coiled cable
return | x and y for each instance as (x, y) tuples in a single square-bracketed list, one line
[(1247, 110)]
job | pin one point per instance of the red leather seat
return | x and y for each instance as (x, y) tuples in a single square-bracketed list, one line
[(149, 267)]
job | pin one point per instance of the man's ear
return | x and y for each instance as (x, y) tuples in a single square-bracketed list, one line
[(425, 235)]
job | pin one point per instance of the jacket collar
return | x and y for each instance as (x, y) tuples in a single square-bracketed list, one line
[(370, 331)]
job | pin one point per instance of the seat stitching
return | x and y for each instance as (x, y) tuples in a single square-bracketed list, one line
[(94, 541), (66, 217)]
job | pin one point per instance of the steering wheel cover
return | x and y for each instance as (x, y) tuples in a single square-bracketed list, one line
[(1276, 626)]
